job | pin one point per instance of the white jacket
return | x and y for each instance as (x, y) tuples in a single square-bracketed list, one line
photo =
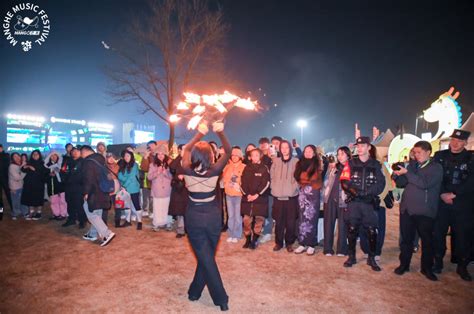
[(15, 177), (56, 168)]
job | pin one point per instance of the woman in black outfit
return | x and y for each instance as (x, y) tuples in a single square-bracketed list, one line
[(203, 216)]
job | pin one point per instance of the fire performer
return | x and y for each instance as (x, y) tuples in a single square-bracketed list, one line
[(203, 217)]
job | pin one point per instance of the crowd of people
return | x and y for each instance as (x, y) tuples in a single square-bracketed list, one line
[(272, 187)]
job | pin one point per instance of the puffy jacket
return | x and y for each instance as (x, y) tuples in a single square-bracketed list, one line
[(15, 177), (161, 181)]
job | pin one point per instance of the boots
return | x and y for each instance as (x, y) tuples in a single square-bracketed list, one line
[(253, 243), (438, 265), (117, 222), (351, 250), (247, 242), (461, 269), (372, 236)]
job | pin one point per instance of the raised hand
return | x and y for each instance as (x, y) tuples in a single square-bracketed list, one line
[(203, 129), (218, 126)]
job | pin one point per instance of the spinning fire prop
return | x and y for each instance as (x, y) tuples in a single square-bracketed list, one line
[(209, 108)]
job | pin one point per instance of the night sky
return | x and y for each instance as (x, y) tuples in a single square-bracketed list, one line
[(332, 62)]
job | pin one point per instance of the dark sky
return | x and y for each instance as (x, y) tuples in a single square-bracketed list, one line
[(332, 62)]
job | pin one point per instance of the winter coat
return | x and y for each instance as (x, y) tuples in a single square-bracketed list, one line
[(15, 177), (91, 172), (422, 189), (179, 193), (130, 180), (53, 180), (255, 180), (283, 182), (4, 164), (160, 181), (33, 184), (72, 175), (231, 177)]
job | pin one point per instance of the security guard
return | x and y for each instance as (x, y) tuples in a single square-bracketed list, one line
[(364, 182), (456, 208)]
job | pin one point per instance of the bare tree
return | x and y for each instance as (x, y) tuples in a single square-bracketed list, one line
[(178, 44)]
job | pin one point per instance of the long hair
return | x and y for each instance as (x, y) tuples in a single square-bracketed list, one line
[(13, 158), (159, 163), (311, 166), (373, 152), (201, 156), (123, 165), (346, 151), (31, 160), (291, 149)]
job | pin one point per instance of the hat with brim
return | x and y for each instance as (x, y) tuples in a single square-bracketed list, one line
[(460, 134), (363, 140)]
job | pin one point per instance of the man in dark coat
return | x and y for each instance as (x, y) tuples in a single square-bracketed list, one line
[(95, 200), (456, 209), (422, 183), (71, 174), (4, 164)]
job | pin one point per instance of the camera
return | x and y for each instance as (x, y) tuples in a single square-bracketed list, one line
[(397, 166)]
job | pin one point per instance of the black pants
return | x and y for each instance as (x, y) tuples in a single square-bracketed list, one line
[(381, 226), (75, 209), (461, 220), (204, 223), (285, 213), (409, 225), (4, 188), (332, 211)]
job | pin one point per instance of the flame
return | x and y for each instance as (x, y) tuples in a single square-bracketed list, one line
[(227, 97), (199, 104), (182, 106), (192, 98), (174, 118), (246, 104), (199, 109), (193, 123)]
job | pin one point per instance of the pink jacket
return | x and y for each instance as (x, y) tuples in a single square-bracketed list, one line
[(160, 181)]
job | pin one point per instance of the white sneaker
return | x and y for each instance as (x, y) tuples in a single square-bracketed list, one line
[(311, 251), (328, 254), (235, 240), (150, 216), (89, 238), (377, 258), (300, 249), (145, 214), (108, 239), (265, 238), (229, 240), (134, 218), (340, 255)]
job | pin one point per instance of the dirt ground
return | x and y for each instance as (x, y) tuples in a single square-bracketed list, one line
[(49, 269)]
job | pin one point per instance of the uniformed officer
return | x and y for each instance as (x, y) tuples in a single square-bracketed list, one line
[(456, 208), (363, 185)]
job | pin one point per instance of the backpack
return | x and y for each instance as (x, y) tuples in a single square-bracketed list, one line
[(106, 180)]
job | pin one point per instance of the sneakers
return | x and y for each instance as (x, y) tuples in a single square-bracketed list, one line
[(328, 254), (265, 238), (311, 251), (229, 240), (14, 218), (89, 238), (235, 240), (340, 255), (29, 216), (300, 249), (108, 239), (145, 214), (36, 216)]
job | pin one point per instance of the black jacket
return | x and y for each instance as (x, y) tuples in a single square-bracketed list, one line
[(91, 180), (367, 179), (179, 193), (4, 164), (255, 180), (422, 186), (33, 184), (72, 175)]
